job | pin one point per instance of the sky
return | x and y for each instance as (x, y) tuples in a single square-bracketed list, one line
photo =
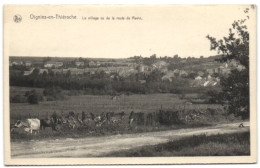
[(163, 30)]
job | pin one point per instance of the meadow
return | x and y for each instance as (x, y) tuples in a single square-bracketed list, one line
[(145, 103), (101, 103)]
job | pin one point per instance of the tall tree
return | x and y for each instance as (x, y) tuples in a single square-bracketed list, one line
[(235, 86)]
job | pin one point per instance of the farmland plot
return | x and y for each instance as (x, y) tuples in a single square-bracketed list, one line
[(102, 103)]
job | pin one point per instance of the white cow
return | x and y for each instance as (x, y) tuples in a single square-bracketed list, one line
[(29, 125)]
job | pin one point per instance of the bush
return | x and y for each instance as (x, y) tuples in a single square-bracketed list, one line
[(33, 99), (18, 99), (168, 117), (53, 93)]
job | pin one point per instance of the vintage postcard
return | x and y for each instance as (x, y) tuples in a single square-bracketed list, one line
[(129, 84)]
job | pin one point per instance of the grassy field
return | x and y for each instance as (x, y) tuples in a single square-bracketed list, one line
[(237, 144), (100, 103), (104, 103)]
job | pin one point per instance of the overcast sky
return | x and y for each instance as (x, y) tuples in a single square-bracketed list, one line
[(164, 31)]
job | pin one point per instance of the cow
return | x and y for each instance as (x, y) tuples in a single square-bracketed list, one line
[(45, 123), (52, 122), (30, 125)]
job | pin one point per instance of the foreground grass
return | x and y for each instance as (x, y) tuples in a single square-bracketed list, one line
[(236, 144)]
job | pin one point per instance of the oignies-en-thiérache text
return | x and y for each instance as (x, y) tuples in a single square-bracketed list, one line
[(57, 16)]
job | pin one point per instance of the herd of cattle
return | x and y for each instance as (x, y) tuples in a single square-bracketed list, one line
[(89, 120)]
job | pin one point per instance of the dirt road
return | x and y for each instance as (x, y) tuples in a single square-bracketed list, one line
[(99, 146)]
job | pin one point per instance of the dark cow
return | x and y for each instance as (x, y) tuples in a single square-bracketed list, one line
[(45, 123)]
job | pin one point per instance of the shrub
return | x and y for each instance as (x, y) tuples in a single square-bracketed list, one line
[(18, 99), (168, 117), (53, 93), (33, 98)]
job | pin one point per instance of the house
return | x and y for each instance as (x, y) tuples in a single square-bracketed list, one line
[(210, 83), (28, 64), (140, 68), (159, 64), (126, 71), (176, 72), (164, 70), (79, 63), (210, 71), (199, 81), (240, 67), (53, 64), (206, 83), (43, 70), (142, 81), (166, 78), (170, 74), (92, 64), (225, 71), (57, 71), (218, 70), (233, 63), (26, 73), (112, 69), (17, 63), (198, 78), (58, 64), (48, 65), (76, 71), (226, 65), (183, 73)]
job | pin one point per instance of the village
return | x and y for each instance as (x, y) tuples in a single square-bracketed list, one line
[(208, 74)]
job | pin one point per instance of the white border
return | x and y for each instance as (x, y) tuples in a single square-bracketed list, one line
[(119, 2)]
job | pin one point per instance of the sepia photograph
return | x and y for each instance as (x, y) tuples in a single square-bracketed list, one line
[(129, 84)]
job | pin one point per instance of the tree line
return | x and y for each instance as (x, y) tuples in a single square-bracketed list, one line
[(102, 83)]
